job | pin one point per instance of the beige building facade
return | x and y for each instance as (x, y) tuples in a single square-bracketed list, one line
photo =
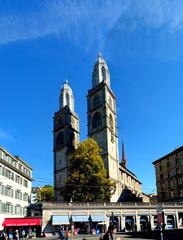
[(15, 186), (124, 215), (102, 127), (169, 176)]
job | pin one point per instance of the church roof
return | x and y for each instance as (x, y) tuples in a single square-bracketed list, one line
[(66, 87)]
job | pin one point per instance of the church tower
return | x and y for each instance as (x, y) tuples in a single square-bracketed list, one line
[(102, 120), (66, 137)]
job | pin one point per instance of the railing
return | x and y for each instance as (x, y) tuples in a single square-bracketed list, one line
[(110, 205)]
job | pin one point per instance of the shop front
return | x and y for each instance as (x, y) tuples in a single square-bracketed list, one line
[(98, 223), (27, 227), (80, 224), (60, 221)]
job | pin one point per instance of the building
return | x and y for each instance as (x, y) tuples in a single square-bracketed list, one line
[(102, 126), (15, 186), (125, 216), (169, 176), (34, 194), (153, 198)]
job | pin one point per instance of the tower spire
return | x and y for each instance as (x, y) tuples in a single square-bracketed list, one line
[(100, 72), (66, 96), (123, 155)]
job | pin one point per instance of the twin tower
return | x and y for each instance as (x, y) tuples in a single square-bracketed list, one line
[(102, 126)]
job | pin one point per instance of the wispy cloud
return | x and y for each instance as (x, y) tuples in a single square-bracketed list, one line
[(88, 23), (5, 135)]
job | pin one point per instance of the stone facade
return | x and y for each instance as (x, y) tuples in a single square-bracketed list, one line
[(169, 176), (136, 214), (66, 137), (102, 126)]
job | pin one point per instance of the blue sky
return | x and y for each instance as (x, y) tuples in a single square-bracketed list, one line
[(44, 42)]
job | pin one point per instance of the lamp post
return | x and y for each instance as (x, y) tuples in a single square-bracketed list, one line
[(161, 221), (112, 216)]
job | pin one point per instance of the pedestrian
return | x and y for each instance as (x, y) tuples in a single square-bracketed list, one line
[(2, 235), (67, 233), (23, 233), (34, 233), (62, 233), (109, 234), (17, 235)]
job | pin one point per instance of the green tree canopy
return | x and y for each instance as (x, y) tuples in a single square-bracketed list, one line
[(88, 179), (46, 194)]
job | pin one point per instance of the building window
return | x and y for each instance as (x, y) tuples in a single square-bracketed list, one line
[(110, 102), (7, 173), (25, 197), (168, 164), (8, 191), (96, 101), (8, 208), (25, 211), (111, 125), (18, 179), (1, 189), (18, 194), (20, 167), (160, 167), (96, 121), (103, 73), (161, 176), (2, 170), (25, 183), (60, 139), (18, 209), (68, 100)]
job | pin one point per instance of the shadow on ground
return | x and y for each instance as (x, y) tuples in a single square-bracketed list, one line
[(173, 234)]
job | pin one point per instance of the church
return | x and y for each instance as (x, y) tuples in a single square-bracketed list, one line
[(102, 127)]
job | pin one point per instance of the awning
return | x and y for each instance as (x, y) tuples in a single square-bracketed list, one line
[(128, 220), (10, 222), (80, 218), (98, 218), (60, 219)]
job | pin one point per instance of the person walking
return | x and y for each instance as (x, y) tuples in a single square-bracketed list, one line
[(23, 233), (67, 233), (17, 235), (62, 237)]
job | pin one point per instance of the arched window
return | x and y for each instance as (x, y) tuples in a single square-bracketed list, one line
[(60, 122), (60, 139), (111, 125), (96, 100), (96, 121), (103, 73)]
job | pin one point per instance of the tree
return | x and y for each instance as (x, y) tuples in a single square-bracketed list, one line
[(46, 194), (88, 179)]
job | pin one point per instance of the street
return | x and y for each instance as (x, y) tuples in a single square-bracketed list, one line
[(127, 237)]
